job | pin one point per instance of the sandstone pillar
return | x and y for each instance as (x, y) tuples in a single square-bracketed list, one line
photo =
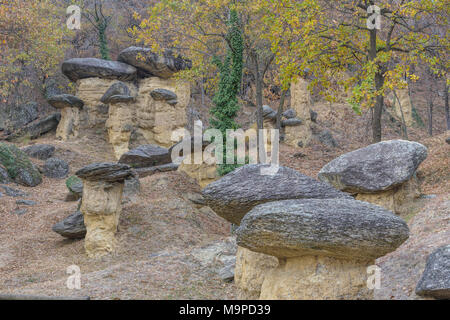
[(102, 204)]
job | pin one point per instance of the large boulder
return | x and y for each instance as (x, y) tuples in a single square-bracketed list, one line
[(380, 166), (435, 280), (232, 196), (62, 101), (22, 114), (148, 155), (81, 68), (163, 66), (19, 167), (35, 129), (40, 151), (339, 228), (56, 168), (71, 227)]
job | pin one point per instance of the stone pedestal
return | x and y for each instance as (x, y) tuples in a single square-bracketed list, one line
[(101, 208), (119, 125), (69, 124), (317, 278), (250, 271), (396, 200)]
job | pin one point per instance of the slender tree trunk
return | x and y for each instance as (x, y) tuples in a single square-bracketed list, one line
[(379, 82), (404, 128), (447, 111), (280, 109), (259, 104), (430, 115)]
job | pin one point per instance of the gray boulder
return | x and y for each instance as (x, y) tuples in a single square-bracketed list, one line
[(380, 166), (71, 227), (447, 140), (22, 114), (118, 92), (40, 151), (105, 171), (81, 68), (18, 165), (232, 196), (36, 128), (56, 168), (163, 66), (268, 112), (148, 155), (289, 114), (340, 228), (164, 95), (62, 101), (293, 122), (435, 280)]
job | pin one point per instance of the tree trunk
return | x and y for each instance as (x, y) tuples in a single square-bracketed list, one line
[(404, 128), (259, 112), (379, 82), (447, 111), (280, 109), (430, 115)]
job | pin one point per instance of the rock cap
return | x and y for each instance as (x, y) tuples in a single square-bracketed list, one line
[(377, 167), (232, 196), (105, 171), (81, 68), (339, 228)]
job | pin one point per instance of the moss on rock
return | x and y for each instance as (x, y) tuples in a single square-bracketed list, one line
[(19, 166)]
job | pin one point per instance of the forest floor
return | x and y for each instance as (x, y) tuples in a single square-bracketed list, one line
[(171, 249)]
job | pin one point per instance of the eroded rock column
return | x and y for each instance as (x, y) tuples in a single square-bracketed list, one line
[(382, 173), (235, 194), (70, 107), (324, 246), (101, 205)]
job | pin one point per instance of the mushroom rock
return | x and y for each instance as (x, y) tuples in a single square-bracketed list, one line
[(232, 196), (70, 114), (101, 206), (120, 122), (382, 173), (156, 120), (162, 66), (324, 246), (82, 68), (235, 194)]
